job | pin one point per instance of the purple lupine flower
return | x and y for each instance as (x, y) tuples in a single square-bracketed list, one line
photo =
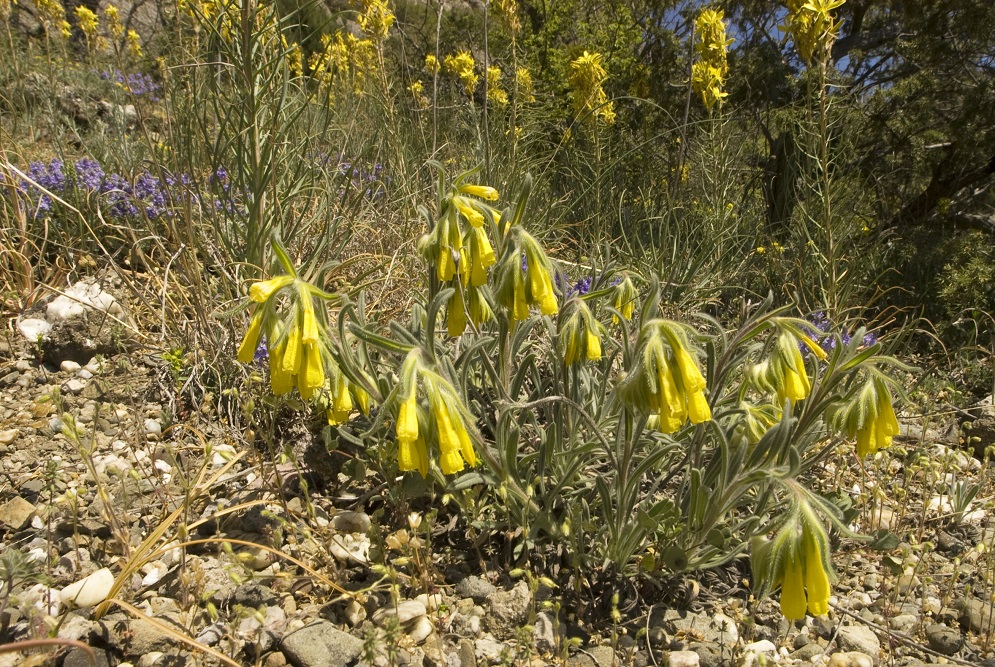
[(119, 195), (261, 355), (89, 174), (870, 338)]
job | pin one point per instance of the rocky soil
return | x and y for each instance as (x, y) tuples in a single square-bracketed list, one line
[(155, 542)]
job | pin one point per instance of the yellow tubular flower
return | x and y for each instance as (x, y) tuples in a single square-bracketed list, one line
[(446, 265), (456, 314), (247, 350), (309, 325), (795, 387), (593, 345), (793, 602), (482, 191), (312, 375), (698, 410), (450, 459), (281, 382), (670, 402), (407, 419), (691, 377), (362, 398), (520, 310), (466, 447), (293, 351), (260, 292), (816, 579), (569, 339), (413, 455), (482, 256), (468, 211), (341, 398)]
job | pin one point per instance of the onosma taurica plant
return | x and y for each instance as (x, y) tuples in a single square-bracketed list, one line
[(636, 440)]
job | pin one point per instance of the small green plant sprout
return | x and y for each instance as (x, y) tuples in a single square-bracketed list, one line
[(961, 494), (797, 560)]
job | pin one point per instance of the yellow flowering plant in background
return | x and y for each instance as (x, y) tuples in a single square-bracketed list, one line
[(709, 71), (587, 77)]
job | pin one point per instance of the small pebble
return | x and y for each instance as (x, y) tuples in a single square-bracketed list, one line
[(69, 366)]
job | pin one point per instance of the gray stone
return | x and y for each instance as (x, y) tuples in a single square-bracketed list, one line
[(74, 386), (858, 638), (508, 609), (351, 522), (476, 588), (711, 654), (807, 652), (544, 636), (254, 595), (78, 657), (146, 638), (16, 512), (943, 639), (467, 654), (903, 622), (581, 660), (975, 615), (604, 656), (489, 651), (321, 644)]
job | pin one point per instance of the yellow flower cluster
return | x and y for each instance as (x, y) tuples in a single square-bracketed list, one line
[(446, 421), (525, 284), (294, 55), (462, 66), (133, 43), (587, 77), (624, 298), (797, 560), (298, 347), (376, 19), (811, 26), (508, 11), (785, 373), (89, 25), (580, 335), (709, 72), (496, 95), (526, 90), (460, 250), (432, 64), (666, 381), (51, 13), (417, 90), (870, 418), (344, 59), (113, 16)]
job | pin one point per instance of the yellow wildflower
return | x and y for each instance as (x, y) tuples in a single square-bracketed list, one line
[(624, 298), (113, 16), (587, 76), (432, 63), (134, 44), (496, 95), (376, 19), (462, 66), (523, 79), (261, 291)]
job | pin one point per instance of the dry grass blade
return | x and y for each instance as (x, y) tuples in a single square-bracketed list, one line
[(172, 632), (31, 644)]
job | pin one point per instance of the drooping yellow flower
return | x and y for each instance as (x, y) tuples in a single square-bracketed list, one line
[(698, 410), (407, 419), (580, 335), (293, 351), (413, 455), (456, 313), (281, 381), (793, 601), (312, 372), (875, 418), (481, 256), (624, 298), (250, 342), (260, 292), (482, 191)]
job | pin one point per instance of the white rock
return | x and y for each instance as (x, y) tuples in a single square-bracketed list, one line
[(355, 613), (974, 516), (8, 436), (406, 612), (153, 427), (33, 329), (432, 602), (421, 630), (153, 572), (350, 548), (763, 647), (84, 374), (40, 598), (683, 659), (69, 366), (939, 505), (88, 591), (75, 300), (151, 659), (850, 659)]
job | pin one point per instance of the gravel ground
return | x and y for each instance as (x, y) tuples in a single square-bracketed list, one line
[(271, 575)]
